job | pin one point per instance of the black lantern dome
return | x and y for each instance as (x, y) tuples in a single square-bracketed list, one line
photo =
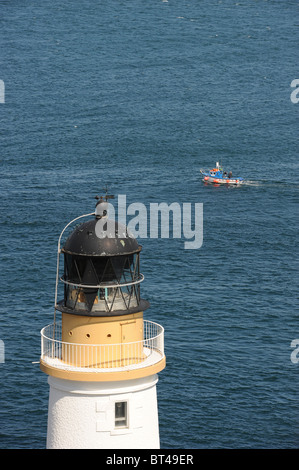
[(101, 269), (84, 240)]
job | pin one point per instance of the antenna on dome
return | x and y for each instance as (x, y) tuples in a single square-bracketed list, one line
[(106, 197), (101, 207)]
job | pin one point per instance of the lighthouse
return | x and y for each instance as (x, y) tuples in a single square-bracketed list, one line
[(100, 354)]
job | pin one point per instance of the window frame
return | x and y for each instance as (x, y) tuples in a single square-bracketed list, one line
[(121, 422)]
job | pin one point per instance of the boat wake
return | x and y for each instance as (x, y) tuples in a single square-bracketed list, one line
[(252, 183), (269, 183)]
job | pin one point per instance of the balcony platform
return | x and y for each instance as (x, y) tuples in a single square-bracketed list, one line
[(101, 362)]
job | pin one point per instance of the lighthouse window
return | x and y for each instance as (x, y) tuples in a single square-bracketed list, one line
[(121, 415)]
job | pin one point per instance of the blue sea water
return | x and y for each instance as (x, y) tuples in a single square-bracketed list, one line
[(139, 96)]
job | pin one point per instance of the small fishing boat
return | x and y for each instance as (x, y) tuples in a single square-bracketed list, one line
[(218, 176)]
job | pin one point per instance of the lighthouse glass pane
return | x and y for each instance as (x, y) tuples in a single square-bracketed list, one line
[(121, 418), (84, 276)]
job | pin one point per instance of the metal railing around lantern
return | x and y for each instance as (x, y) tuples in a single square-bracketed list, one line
[(102, 357)]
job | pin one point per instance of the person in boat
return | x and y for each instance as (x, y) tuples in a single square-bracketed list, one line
[(230, 174), (224, 174)]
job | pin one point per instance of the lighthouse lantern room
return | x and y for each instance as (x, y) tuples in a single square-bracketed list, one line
[(102, 357)]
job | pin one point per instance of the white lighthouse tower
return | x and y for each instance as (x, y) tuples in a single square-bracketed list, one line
[(101, 356)]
